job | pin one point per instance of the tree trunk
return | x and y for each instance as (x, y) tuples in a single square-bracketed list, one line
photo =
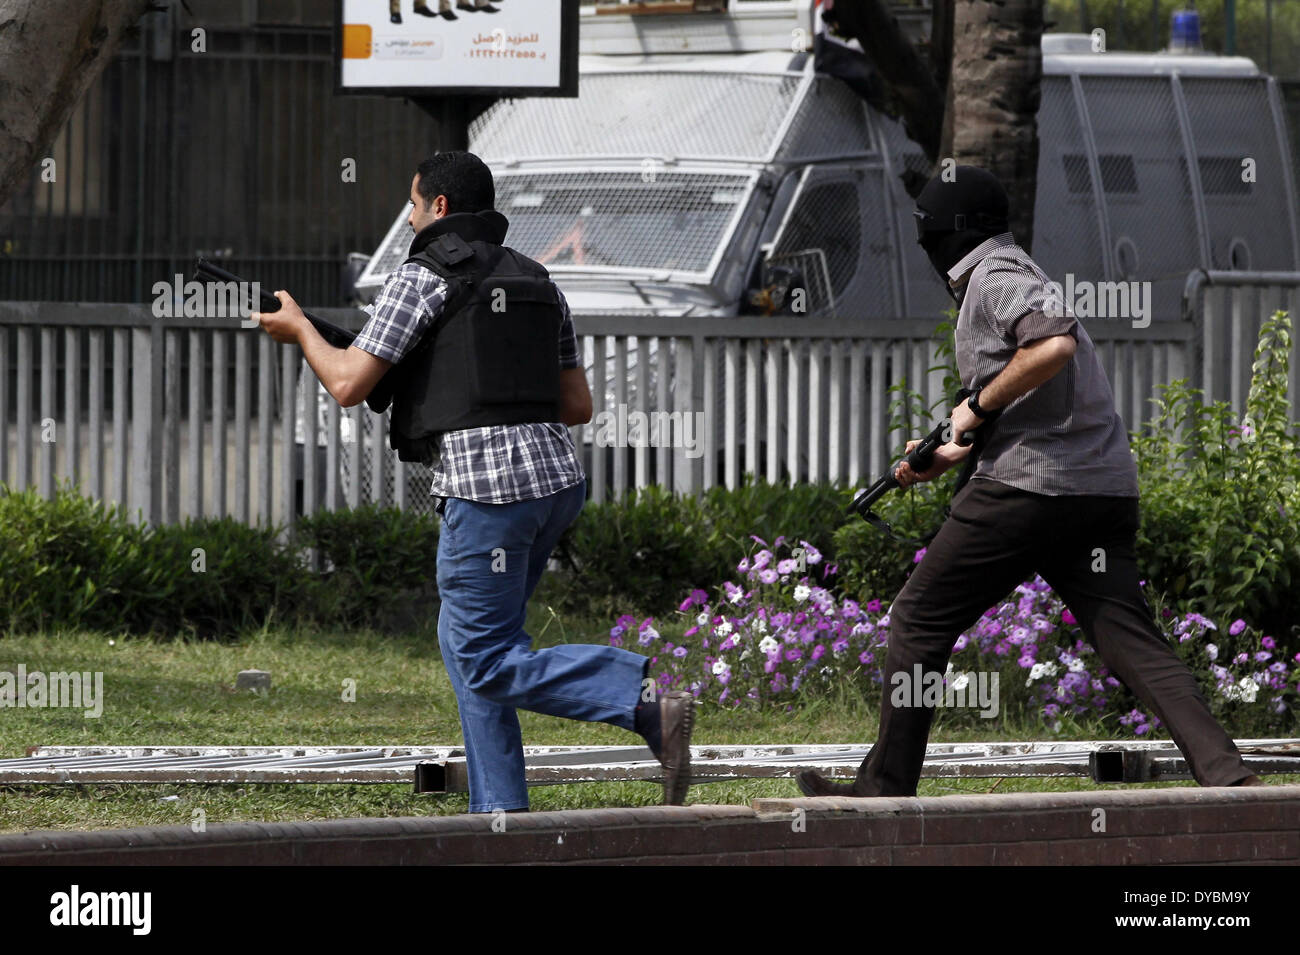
[(50, 53), (992, 121)]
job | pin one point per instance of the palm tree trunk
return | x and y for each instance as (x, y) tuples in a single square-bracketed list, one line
[(991, 120)]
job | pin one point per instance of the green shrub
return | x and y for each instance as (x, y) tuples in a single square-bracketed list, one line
[(639, 551), (1220, 497), (810, 512), (68, 561), (380, 567), (215, 577)]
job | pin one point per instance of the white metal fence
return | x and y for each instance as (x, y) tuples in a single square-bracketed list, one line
[(176, 418)]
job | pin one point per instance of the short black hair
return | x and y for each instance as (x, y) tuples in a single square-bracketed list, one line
[(462, 177)]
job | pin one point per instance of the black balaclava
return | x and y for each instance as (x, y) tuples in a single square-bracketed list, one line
[(961, 214)]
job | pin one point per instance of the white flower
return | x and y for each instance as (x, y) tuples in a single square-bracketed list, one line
[(1212, 651), (720, 667), (1076, 665), (723, 628), (962, 681), (1040, 670), (801, 593), (1248, 689), (760, 625), (768, 644), (702, 619), (652, 633), (737, 596)]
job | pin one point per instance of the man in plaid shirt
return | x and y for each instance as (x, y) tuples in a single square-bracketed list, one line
[(507, 493)]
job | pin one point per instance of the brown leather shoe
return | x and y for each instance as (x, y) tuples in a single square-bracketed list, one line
[(1251, 781), (813, 783), (677, 722)]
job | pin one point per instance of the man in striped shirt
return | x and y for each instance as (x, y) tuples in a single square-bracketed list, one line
[(507, 492), (1054, 491)]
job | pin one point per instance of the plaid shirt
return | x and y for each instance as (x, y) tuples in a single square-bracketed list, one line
[(496, 464)]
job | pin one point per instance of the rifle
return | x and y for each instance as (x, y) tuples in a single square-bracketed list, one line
[(920, 459), (338, 337), (380, 397)]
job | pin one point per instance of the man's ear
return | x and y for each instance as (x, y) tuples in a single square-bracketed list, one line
[(440, 206)]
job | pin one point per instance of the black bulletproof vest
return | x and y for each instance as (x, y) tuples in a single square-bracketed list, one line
[(493, 355)]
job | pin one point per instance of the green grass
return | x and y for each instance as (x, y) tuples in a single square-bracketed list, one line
[(182, 693)]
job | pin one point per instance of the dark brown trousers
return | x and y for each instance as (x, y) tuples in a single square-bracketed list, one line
[(995, 538)]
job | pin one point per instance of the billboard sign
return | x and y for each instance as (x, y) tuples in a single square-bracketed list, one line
[(457, 47)]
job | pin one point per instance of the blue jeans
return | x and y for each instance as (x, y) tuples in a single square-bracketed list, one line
[(490, 558)]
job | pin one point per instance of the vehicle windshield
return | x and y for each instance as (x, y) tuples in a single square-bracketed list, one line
[(674, 222)]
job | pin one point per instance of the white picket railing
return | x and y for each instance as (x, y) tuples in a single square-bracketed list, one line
[(787, 400)]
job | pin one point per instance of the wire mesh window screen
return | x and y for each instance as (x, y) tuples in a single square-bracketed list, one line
[(827, 217), (872, 294), (830, 121), (1066, 231), (642, 220), (1153, 228), (1232, 122), (702, 114)]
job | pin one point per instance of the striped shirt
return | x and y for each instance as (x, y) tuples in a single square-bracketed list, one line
[(498, 464), (1063, 437)]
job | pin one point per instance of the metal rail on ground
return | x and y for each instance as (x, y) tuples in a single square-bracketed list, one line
[(443, 768)]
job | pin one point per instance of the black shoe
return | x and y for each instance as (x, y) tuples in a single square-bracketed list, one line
[(448, 15), (425, 12), (677, 722), (396, 17), (812, 783)]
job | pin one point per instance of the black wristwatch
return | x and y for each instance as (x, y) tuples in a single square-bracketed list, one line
[(973, 402)]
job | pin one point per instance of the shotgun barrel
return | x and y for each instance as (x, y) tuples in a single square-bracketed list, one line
[(338, 337)]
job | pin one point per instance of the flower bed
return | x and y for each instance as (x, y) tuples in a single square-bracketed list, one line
[(781, 634)]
